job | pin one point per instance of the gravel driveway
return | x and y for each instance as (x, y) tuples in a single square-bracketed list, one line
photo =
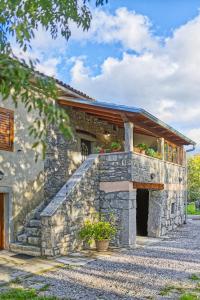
[(131, 274)]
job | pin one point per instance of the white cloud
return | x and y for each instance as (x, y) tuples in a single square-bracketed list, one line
[(106, 28), (194, 134), (163, 77)]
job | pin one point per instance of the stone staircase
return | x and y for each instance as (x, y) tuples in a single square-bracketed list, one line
[(78, 191), (29, 241)]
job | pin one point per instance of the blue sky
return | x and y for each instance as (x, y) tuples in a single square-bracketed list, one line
[(165, 16), (139, 52)]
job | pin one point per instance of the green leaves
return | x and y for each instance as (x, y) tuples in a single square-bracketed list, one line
[(194, 178), (38, 94), (20, 20), (97, 230)]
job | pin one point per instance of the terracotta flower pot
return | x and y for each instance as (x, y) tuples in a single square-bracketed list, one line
[(102, 245), (142, 151), (116, 150)]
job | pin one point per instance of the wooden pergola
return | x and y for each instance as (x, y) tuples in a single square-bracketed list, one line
[(142, 121)]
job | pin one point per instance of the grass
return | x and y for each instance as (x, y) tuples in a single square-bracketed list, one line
[(23, 294), (189, 296), (194, 277), (44, 288), (166, 290), (191, 210), (185, 293)]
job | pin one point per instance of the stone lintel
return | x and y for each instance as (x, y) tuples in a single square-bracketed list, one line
[(173, 186), (116, 186)]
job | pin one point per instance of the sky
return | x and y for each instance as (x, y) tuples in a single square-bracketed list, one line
[(141, 53)]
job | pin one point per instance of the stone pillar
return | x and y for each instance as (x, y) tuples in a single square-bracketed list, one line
[(162, 148), (128, 126), (128, 231), (120, 198), (155, 213)]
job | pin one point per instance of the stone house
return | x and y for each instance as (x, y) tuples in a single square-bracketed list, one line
[(44, 204)]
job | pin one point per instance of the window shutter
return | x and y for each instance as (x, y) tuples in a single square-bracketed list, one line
[(6, 129)]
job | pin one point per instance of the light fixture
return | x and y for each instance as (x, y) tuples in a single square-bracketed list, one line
[(106, 133), (1, 175)]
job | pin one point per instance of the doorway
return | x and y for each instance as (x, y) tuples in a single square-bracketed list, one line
[(142, 212), (86, 149), (1, 221)]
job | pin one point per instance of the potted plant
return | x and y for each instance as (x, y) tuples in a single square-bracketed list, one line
[(99, 150), (142, 148), (116, 146), (150, 152), (100, 231)]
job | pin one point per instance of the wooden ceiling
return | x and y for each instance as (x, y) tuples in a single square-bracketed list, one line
[(142, 124)]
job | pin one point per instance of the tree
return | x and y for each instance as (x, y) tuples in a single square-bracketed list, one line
[(194, 178), (19, 20)]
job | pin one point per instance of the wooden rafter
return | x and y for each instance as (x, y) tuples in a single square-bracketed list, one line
[(118, 117)]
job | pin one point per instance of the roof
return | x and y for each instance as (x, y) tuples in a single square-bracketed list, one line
[(144, 122), (60, 83), (66, 86)]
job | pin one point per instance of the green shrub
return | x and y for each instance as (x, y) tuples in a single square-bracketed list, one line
[(191, 209), (142, 146), (189, 297), (151, 152), (101, 230)]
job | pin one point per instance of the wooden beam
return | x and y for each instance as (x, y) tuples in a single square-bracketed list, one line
[(148, 186), (136, 118), (124, 117)]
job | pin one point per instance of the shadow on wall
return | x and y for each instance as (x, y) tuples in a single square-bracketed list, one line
[(22, 174)]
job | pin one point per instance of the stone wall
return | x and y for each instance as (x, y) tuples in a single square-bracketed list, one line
[(77, 201), (166, 207), (117, 195), (63, 157)]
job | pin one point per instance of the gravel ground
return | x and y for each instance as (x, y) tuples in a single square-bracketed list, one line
[(131, 274)]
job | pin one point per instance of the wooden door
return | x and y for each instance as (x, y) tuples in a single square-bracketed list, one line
[(1, 221)]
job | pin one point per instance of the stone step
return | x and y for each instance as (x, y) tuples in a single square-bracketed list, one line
[(34, 240), (33, 231), (22, 238), (25, 249), (37, 215), (35, 223)]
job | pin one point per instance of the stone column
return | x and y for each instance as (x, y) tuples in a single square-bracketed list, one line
[(128, 126), (128, 233), (155, 213), (162, 148)]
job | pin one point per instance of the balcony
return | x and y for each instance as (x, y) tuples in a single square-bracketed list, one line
[(139, 168)]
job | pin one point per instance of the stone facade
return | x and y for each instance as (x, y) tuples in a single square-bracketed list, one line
[(63, 156), (23, 181), (69, 191), (166, 207)]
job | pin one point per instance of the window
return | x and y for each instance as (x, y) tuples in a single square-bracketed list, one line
[(172, 208), (173, 153), (86, 149), (6, 129)]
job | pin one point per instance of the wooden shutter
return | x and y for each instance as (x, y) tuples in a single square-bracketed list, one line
[(6, 129)]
